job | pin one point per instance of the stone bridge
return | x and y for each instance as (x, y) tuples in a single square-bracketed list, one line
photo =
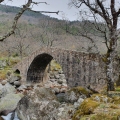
[(79, 68)]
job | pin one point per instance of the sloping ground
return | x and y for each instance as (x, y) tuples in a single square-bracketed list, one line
[(99, 107), (35, 32)]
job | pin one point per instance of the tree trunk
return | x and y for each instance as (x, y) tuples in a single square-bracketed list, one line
[(111, 54), (109, 71)]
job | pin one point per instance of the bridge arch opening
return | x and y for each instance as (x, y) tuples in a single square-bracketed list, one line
[(37, 68)]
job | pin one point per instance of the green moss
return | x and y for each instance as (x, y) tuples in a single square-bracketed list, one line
[(8, 68), (113, 106), (81, 90), (100, 116), (3, 73), (14, 60), (54, 65), (87, 107), (112, 113), (103, 116), (116, 100), (104, 59), (117, 88), (104, 90)]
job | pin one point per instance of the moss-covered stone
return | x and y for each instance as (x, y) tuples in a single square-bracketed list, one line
[(54, 65), (103, 90), (81, 90), (101, 98), (9, 102), (87, 107), (113, 94), (117, 88), (116, 100), (100, 116)]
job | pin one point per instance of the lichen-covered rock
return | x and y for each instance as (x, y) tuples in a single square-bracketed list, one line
[(71, 97), (4, 82), (39, 104), (101, 98), (65, 112), (9, 103), (78, 103), (75, 93), (6, 89), (17, 83), (13, 78)]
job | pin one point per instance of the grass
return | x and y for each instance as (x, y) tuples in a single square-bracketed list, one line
[(9, 64), (87, 107)]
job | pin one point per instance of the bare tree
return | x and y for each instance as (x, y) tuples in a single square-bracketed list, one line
[(27, 6), (108, 14), (48, 32), (20, 41)]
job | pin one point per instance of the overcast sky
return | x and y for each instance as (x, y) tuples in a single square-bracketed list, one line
[(53, 5)]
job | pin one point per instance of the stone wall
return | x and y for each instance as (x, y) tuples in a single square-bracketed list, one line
[(79, 68)]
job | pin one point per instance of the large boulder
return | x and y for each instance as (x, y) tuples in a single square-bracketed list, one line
[(39, 104), (75, 93), (9, 103), (6, 89)]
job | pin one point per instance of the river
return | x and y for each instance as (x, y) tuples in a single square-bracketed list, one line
[(8, 117)]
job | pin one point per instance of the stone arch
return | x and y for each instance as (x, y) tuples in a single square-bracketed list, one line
[(79, 68), (36, 70)]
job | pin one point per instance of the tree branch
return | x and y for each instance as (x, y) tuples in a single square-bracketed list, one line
[(39, 2), (18, 15), (43, 11)]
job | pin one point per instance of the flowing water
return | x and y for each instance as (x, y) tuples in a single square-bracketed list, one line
[(8, 117)]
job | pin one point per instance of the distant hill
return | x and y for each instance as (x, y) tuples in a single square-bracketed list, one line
[(14, 9), (36, 30)]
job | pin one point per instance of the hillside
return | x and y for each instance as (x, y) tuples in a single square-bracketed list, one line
[(36, 30)]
